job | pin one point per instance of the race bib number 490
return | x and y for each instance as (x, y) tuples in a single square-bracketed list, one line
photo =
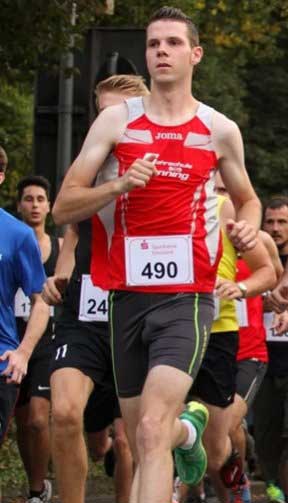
[(93, 301), (159, 260)]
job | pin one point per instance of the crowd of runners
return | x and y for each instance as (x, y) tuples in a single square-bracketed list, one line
[(158, 323)]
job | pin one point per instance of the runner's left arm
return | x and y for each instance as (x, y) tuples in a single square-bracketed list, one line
[(230, 151)]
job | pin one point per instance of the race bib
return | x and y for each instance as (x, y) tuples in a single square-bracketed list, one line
[(93, 301), (242, 313), (271, 334), (159, 260), (22, 305)]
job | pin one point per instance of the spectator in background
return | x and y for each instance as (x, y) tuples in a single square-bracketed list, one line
[(33, 405), (271, 403)]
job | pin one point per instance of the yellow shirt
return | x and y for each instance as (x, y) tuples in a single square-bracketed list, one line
[(225, 317)]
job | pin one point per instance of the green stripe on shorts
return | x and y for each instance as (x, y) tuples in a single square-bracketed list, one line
[(196, 312), (111, 305)]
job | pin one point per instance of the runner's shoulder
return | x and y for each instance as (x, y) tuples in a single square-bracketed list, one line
[(114, 119), (224, 128), (14, 227)]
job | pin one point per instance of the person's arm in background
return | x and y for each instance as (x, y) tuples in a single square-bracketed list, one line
[(55, 285), (272, 249), (279, 296), (263, 275)]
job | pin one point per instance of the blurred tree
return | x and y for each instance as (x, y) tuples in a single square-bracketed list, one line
[(244, 45), (15, 135)]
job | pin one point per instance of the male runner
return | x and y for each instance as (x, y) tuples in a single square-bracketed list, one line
[(33, 406), (271, 403), (20, 266), (166, 149), (86, 363)]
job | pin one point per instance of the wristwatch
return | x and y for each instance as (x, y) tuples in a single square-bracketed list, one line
[(243, 289)]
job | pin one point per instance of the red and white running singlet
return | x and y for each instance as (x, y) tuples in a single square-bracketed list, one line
[(165, 237), (252, 335)]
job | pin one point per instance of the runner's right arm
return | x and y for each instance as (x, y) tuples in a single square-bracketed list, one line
[(77, 199), (55, 285)]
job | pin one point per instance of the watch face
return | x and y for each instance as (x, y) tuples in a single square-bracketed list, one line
[(243, 289)]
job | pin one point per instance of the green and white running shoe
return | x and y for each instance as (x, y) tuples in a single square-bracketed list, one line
[(274, 493), (191, 463)]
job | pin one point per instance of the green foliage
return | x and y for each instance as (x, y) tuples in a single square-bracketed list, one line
[(11, 469), (267, 132), (16, 122), (35, 33), (243, 73)]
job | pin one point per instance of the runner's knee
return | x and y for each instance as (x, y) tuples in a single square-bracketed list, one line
[(150, 434), (67, 415), (38, 422)]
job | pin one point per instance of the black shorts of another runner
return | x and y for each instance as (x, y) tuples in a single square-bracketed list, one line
[(101, 410), (37, 381), (8, 397), (250, 374), (216, 381)]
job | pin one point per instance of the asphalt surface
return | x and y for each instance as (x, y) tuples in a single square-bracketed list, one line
[(257, 488)]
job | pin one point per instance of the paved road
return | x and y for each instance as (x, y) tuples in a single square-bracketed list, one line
[(258, 493)]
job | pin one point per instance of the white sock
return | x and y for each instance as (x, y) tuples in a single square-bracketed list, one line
[(192, 434)]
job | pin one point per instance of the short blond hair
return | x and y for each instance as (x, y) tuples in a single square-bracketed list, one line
[(133, 85), (3, 160)]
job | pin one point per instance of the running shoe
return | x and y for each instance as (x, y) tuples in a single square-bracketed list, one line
[(45, 496), (232, 471), (191, 463), (241, 493), (274, 493)]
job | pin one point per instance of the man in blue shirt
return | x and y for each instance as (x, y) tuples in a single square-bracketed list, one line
[(20, 266)]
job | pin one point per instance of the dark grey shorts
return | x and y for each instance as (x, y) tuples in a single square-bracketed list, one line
[(149, 329), (250, 374)]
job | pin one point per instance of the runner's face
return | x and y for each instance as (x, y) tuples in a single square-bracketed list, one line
[(109, 98), (34, 205), (276, 224), (169, 53)]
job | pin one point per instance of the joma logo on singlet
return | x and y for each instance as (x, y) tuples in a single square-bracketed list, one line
[(168, 136)]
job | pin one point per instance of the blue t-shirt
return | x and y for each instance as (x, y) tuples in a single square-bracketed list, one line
[(20, 266)]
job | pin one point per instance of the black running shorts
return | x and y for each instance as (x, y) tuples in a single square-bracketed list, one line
[(216, 381), (250, 374), (37, 381), (101, 410), (84, 346), (8, 397), (150, 329)]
